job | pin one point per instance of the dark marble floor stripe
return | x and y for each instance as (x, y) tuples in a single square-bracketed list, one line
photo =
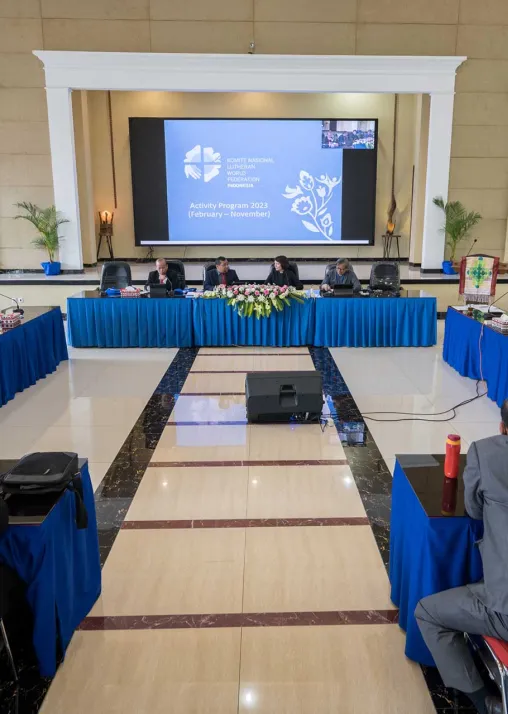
[(201, 464), (245, 619), (374, 482), (241, 422), (244, 523)]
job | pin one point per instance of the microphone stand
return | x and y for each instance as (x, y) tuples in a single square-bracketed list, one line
[(16, 309)]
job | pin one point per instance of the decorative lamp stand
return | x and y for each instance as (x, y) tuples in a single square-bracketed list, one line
[(387, 244), (106, 231)]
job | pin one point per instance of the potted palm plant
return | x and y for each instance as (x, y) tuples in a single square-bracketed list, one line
[(458, 225), (46, 221)]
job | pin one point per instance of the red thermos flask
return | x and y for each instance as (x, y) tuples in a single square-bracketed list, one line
[(451, 472)]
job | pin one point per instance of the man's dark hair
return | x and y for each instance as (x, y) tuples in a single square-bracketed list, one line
[(504, 413), (219, 260)]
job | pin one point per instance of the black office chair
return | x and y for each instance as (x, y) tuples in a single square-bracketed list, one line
[(206, 269), (385, 276), (294, 267), (178, 268), (116, 274)]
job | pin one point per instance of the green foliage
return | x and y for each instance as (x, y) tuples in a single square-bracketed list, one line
[(46, 221), (458, 222)]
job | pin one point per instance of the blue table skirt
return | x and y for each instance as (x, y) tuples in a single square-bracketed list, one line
[(349, 322), (217, 324), (30, 352), (462, 352), (129, 322), (427, 555), (61, 567), (376, 322)]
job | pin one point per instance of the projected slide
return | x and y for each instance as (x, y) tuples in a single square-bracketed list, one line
[(266, 181)]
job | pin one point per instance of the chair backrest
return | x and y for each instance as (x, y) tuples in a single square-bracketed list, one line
[(294, 267), (206, 269), (385, 274), (116, 274), (177, 266)]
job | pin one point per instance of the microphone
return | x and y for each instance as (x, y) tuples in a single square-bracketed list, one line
[(16, 309), (471, 247)]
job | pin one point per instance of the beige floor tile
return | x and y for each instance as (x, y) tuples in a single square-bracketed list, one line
[(250, 363), (148, 672), (186, 493), (302, 492), (156, 572), (330, 670), (203, 443), (209, 408), (209, 383), (293, 441), (314, 568), (253, 350)]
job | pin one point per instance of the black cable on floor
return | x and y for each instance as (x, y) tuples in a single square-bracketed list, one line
[(422, 416)]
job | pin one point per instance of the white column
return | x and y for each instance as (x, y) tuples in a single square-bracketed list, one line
[(65, 182), (438, 171)]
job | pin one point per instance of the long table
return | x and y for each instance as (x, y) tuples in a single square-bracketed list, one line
[(31, 351), (461, 349), (406, 321), (429, 552)]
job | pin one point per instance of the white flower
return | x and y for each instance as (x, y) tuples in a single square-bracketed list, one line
[(306, 180), (302, 205), (292, 192), (229, 293), (251, 298), (240, 298), (284, 294), (273, 296), (321, 191)]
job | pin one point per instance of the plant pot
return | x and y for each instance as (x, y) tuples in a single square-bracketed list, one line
[(51, 268), (448, 268)]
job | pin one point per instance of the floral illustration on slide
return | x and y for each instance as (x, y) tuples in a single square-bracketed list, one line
[(310, 199)]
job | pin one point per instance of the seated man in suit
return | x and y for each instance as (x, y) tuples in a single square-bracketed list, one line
[(340, 274), (220, 275), (163, 275), (480, 608)]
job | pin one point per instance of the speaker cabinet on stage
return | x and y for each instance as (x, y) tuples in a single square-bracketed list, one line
[(280, 396)]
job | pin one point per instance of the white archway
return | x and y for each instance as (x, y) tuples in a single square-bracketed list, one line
[(132, 71)]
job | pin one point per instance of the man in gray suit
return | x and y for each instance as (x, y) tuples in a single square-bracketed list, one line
[(340, 274), (482, 608)]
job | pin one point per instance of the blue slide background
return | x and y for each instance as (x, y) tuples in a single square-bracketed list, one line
[(291, 146)]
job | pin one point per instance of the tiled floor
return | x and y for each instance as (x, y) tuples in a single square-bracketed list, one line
[(231, 551)]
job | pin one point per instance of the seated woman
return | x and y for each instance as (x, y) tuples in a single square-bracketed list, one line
[(281, 274)]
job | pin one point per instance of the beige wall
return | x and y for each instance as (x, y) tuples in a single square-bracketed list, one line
[(164, 104), (479, 173)]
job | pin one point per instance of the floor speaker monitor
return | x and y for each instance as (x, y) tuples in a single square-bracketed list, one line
[(283, 396)]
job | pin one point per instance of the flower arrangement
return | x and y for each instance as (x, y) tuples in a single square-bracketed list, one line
[(258, 300)]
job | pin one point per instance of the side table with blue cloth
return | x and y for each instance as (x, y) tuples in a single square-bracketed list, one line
[(407, 321), (461, 349), (429, 552), (217, 324), (31, 351), (95, 321), (60, 566)]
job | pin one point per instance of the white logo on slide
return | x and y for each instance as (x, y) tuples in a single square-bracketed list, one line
[(202, 163)]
